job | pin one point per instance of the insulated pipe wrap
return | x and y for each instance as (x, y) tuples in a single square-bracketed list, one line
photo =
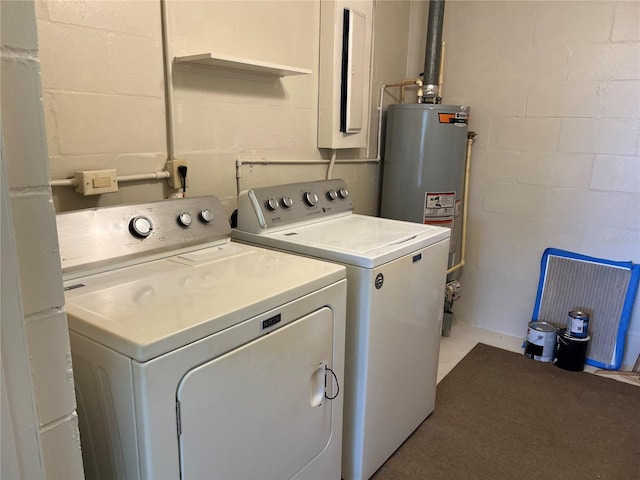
[(434, 41)]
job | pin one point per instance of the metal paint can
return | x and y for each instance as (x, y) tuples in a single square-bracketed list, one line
[(578, 324), (571, 352), (541, 341)]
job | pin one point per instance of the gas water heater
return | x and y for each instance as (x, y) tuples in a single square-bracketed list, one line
[(423, 177), (424, 167)]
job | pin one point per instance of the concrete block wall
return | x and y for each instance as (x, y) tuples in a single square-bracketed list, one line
[(102, 78), (555, 94), (25, 154)]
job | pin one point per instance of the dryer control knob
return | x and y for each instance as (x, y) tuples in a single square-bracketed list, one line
[(343, 192), (206, 215), (141, 226), (332, 195), (310, 199), (272, 204), (184, 219), (287, 202)]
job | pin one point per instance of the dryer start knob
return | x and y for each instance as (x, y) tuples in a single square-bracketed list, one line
[(141, 226), (310, 199)]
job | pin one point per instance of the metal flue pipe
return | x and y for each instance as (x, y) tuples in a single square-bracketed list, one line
[(433, 51)]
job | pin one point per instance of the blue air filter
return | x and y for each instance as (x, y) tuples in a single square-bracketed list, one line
[(604, 289)]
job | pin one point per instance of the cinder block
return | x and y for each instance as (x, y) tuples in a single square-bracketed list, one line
[(555, 169), (495, 24), (50, 354), (493, 99), (573, 23), (609, 61), (37, 249), (74, 58), (23, 123), (514, 199), (137, 18), (110, 124), (616, 174), (621, 99), (20, 31), (266, 128), (135, 65), (498, 166), (596, 209), (517, 261), (625, 24), (525, 134), (61, 447), (599, 136), (563, 99), (209, 127)]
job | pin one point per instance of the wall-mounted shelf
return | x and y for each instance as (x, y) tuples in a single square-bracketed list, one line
[(242, 65)]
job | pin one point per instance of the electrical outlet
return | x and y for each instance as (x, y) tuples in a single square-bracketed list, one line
[(175, 180)]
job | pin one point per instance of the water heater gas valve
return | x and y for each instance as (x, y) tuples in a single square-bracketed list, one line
[(452, 291)]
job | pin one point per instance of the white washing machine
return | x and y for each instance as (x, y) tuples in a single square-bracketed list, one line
[(396, 273), (198, 357)]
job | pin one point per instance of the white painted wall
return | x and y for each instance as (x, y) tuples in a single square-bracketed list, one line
[(555, 95), (38, 264)]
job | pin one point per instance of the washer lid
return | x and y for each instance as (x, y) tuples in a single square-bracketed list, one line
[(358, 240), (146, 310)]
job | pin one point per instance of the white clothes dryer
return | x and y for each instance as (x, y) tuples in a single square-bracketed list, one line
[(198, 357), (396, 274)]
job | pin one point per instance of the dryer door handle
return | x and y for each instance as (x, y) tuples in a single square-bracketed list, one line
[(317, 387)]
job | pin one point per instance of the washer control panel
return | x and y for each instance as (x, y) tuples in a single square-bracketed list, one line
[(281, 205), (97, 236)]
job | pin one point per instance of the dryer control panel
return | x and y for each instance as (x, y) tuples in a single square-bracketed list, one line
[(100, 236), (275, 206)]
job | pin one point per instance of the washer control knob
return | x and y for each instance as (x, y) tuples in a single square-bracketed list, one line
[(332, 195), (184, 219), (206, 215), (310, 199), (287, 202), (343, 192), (272, 204), (141, 226)]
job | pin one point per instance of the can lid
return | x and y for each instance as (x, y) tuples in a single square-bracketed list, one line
[(578, 314), (567, 335), (542, 326)]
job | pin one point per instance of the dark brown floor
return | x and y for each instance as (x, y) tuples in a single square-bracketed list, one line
[(500, 415)]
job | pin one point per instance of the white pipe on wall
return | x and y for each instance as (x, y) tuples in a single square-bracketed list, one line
[(168, 82), (465, 205)]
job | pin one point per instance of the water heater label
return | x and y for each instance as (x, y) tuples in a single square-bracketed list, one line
[(455, 118), (439, 204), (441, 208)]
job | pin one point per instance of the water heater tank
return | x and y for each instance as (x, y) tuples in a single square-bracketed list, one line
[(424, 163)]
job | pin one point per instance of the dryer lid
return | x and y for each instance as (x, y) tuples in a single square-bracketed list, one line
[(149, 309)]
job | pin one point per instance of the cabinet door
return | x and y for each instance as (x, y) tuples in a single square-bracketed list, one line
[(259, 411)]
